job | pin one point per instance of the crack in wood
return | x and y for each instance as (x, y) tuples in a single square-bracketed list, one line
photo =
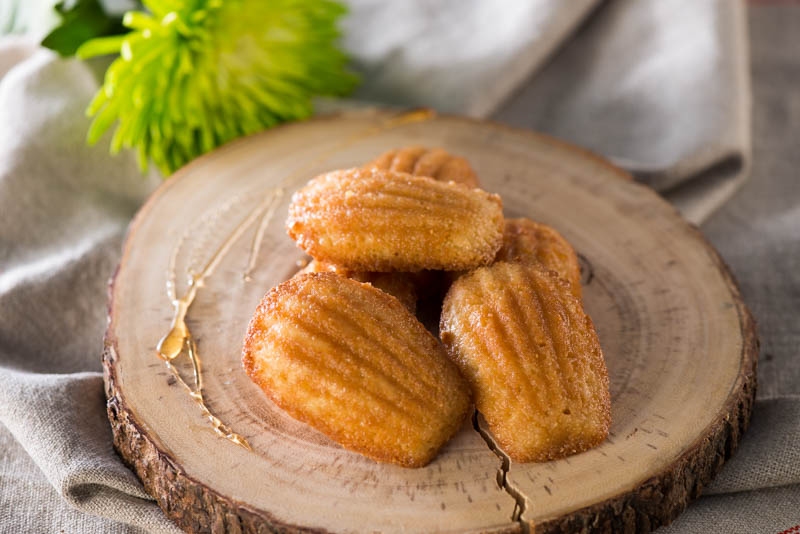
[(502, 476)]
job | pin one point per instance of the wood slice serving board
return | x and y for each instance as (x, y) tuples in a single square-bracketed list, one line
[(679, 344)]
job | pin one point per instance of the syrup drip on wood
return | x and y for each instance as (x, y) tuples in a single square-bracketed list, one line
[(179, 341)]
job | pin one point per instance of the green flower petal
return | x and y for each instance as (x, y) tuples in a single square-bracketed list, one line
[(100, 46), (194, 74)]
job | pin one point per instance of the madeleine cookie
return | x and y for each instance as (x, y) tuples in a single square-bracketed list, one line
[(532, 358), (378, 220), (528, 241), (436, 163), (402, 286), (352, 362)]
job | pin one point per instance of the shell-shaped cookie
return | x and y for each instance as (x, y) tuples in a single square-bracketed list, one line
[(352, 362), (378, 220), (434, 162), (402, 286), (528, 241), (532, 358)]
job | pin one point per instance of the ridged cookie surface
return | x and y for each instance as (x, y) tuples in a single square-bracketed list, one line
[(532, 358), (352, 362), (379, 220), (402, 286), (434, 162), (528, 241)]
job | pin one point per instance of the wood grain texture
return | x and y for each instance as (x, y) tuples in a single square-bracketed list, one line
[(679, 343)]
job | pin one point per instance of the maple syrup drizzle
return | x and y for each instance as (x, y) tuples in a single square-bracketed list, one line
[(255, 246), (179, 340)]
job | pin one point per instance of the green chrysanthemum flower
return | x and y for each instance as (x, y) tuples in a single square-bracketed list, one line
[(194, 74)]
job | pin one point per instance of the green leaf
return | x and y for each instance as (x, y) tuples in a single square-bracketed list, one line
[(81, 21)]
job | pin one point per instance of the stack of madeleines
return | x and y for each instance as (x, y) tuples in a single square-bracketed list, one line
[(338, 346)]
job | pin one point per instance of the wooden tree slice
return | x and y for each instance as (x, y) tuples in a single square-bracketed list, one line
[(679, 343)]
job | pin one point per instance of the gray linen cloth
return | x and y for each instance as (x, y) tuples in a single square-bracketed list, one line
[(662, 90)]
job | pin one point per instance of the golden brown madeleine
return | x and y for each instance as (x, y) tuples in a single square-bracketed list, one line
[(402, 286), (528, 241), (532, 357), (378, 220), (435, 162), (352, 362)]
